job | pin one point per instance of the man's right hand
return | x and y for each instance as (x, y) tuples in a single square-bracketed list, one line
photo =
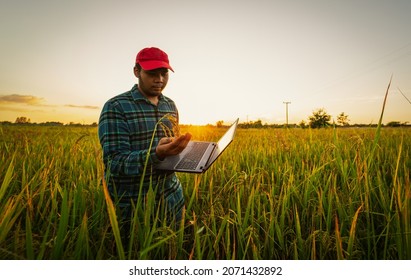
[(170, 146)]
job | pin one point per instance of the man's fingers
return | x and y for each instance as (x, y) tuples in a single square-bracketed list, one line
[(168, 146), (179, 144)]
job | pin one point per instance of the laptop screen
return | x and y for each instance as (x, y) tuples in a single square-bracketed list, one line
[(227, 137)]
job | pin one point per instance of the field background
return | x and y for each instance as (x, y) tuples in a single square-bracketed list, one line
[(339, 193)]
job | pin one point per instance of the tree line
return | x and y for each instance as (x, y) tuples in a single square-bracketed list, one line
[(319, 119), (27, 121)]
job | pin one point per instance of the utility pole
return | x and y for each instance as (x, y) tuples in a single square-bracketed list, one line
[(286, 111)]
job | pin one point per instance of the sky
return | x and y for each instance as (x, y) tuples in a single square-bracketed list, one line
[(62, 60)]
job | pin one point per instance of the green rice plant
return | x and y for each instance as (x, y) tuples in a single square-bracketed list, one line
[(29, 239), (338, 243), (114, 223), (352, 236), (273, 194), (8, 176), (62, 227), (82, 247), (378, 132), (10, 213)]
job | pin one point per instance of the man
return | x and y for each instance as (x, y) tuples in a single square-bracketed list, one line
[(132, 143)]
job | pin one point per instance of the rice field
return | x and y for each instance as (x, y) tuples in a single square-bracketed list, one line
[(276, 194)]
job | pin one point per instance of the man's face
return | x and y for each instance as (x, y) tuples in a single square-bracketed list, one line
[(152, 82)]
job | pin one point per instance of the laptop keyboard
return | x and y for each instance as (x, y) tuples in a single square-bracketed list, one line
[(192, 158)]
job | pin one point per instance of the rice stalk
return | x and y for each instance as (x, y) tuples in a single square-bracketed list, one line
[(338, 240), (299, 239), (114, 223), (162, 242), (29, 238), (378, 132), (82, 249), (62, 227), (352, 236), (10, 213), (7, 178)]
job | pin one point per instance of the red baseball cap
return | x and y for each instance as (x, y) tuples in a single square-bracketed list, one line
[(153, 58)]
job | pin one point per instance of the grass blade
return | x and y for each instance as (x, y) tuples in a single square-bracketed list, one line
[(62, 227), (338, 240), (29, 238), (378, 132), (114, 223), (7, 178), (351, 238)]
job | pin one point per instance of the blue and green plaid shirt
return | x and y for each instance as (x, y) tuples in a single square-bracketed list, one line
[(126, 127)]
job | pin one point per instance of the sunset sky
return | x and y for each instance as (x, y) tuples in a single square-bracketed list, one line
[(61, 60)]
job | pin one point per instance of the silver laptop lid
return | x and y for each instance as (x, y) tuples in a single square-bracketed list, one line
[(224, 141), (228, 136)]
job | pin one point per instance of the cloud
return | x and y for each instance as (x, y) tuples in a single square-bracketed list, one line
[(18, 99), (82, 106), (21, 99)]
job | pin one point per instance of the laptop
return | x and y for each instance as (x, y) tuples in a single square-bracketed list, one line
[(198, 156)]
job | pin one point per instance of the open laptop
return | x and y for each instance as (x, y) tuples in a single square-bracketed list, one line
[(198, 156)]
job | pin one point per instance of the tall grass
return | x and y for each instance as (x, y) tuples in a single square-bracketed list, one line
[(274, 194)]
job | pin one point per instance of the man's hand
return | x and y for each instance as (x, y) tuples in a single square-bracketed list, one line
[(170, 146)]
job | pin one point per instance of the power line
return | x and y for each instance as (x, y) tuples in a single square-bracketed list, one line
[(404, 96), (386, 59)]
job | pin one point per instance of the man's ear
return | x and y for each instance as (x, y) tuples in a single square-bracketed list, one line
[(136, 72)]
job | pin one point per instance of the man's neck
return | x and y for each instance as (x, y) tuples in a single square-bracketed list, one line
[(152, 98)]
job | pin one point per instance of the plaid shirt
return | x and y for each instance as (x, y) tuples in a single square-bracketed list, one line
[(126, 128)]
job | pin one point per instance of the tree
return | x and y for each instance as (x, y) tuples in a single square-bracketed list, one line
[(258, 124), (342, 119), (302, 124), (319, 118), (219, 123), (22, 120), (394, 124)]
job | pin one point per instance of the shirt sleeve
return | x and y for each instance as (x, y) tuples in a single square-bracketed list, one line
[(114, 135)]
